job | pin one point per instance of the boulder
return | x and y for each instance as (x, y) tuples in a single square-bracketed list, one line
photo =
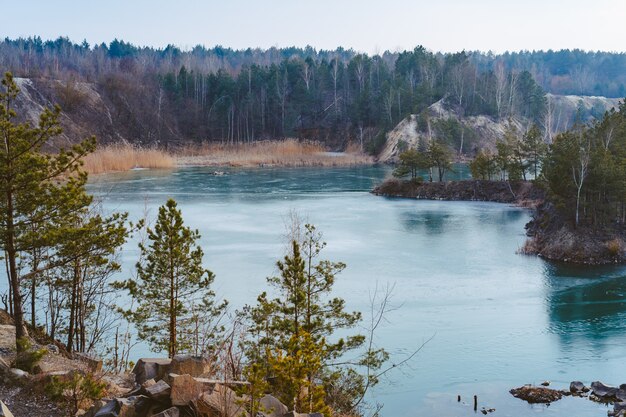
[(159, 391), (94, 363), (535, 395), (221, 401), (185, 388), (148, 383), (603, 391), (577, 387), (133, 406), (151, 368), (91, 412), (271, 406), (110, 409), (170, 412), (4, 410), (619, 409), (190, 365), (621, 394), (125, 407)]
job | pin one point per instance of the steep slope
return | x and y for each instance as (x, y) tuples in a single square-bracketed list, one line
[(470, 133)]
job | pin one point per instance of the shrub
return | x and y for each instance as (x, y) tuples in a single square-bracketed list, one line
[(28, 357), (614, 246), (76, 392)]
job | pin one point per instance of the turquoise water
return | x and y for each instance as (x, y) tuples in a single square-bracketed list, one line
[(497, 319)]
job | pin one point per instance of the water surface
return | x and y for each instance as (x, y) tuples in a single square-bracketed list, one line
[(499, 319)]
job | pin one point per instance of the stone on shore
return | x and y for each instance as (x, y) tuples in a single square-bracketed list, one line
[(190, 365), (151, 368), (577, 387), (272, 407), (221, 401), (159, 391), (170, 412), (536, 395), (185, 388), (602, 391)]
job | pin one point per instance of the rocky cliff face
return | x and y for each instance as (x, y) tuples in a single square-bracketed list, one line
[(482, 132), (85, 111)]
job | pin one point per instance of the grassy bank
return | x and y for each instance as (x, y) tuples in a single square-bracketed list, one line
[(284, 153), (123, 156)]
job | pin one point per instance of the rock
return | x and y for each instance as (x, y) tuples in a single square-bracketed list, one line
[(534, 395), (159, 391), (94, 364), (602, 391), (52, 348), (221, 401), (109, 409), (125, 407), (170, 412), (619, 409), (294, 414), (148, 383), (151, 368), (4, 411), (190, 365), (4, 366), (621, 393), (545, 383), (18, 373), (577, 387), (133, 406), (272, 407), (95, 408), (185, 388)]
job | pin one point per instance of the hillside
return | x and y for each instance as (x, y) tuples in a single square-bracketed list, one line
[(467, 134)]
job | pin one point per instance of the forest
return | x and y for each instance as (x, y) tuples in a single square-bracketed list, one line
[(168, 96)]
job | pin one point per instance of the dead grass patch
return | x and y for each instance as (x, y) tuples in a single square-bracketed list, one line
[(124, 156), (289, 153)]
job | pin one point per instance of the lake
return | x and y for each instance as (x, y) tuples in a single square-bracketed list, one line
[(497, 319)]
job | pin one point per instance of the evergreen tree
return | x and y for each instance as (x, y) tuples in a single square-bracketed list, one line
[(440, 157), (38, 193), (410, 162), (293, 335), (173, 288), (534, 149)]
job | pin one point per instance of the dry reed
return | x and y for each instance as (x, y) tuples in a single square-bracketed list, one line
[(289, 153), (123, 157)]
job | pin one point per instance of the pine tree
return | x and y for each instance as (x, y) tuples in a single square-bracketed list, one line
[(173, 288), (38, 192), (293, 335)]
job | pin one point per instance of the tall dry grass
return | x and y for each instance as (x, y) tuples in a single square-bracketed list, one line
[(289, 152), (124, 156)]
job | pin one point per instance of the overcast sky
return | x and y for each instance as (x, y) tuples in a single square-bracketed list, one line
[(365, 25)]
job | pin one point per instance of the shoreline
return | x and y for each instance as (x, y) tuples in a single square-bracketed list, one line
[(549, 235), (123, 156)]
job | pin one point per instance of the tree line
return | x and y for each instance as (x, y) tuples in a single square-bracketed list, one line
[(61, 252), (167, 96)]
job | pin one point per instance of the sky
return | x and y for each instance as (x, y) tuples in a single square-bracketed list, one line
[(364, 25)]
